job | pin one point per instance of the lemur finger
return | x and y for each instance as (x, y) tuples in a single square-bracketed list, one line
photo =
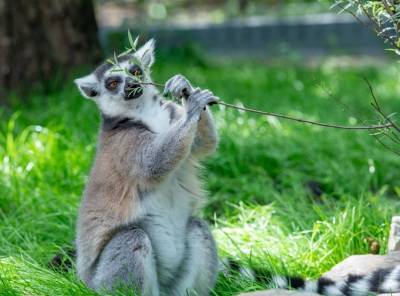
[(205, 97), (214, 101), (167, 86), (178, 87), (183, 88), (196, 94), (202, 93), (199, 99), (210, 97), (188, 89), (170, 83), (196, 91)]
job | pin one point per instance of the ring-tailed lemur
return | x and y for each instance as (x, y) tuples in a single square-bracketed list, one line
[(137, 224)]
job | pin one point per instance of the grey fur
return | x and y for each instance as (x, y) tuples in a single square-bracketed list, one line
[(123, 258), (159, 155), (136, 225), (104, 67), (199, 236), (172, 112), (117, 123)]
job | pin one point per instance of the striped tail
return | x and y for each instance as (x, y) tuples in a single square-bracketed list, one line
[(385, 280)]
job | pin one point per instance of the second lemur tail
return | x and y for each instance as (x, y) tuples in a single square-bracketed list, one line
[(385, 280)]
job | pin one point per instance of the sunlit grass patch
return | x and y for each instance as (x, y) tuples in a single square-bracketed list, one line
[(28, 278), (262, 236)]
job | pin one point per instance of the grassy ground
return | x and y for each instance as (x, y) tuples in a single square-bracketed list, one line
[(262, 182)]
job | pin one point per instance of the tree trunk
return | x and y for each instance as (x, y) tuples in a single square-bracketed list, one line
[(40, 37)]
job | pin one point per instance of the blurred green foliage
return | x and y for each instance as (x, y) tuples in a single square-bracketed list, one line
[(151, 11)]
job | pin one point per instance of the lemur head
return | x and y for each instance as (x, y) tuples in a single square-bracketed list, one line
[(116, 88)]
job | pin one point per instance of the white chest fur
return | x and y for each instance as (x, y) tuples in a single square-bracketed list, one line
[(156, 118), (165, 210), (165, 213)]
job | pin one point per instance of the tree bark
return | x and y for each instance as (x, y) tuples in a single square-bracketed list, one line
[(40, 37)]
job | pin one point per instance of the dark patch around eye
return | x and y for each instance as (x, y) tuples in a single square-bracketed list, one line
[(135, 70), (112, 82)]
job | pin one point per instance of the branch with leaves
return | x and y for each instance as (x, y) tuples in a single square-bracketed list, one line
[(383, 17)]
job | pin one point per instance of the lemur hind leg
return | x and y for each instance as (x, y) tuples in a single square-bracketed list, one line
[(127, 261), (199, 269)]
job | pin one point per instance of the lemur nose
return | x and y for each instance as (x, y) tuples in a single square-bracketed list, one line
[(132, 89), (131, 84)]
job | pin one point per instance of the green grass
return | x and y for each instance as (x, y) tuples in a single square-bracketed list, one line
[(259, 204)]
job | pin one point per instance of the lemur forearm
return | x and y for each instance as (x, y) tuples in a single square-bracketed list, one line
[(164, 153), (206, 139)]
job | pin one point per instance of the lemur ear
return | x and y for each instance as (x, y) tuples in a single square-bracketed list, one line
[(146, 53), (88, 86)]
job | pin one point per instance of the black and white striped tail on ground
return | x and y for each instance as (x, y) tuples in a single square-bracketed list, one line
[(380, 281)]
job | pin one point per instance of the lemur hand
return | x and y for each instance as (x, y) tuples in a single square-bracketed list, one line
[(178, 86), (198, 101)]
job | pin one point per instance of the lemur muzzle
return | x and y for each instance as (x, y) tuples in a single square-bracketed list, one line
[(132, 89)]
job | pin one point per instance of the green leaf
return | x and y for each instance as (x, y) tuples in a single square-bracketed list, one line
[(127, 51), (132, 42), (110, 61), (115, 59)]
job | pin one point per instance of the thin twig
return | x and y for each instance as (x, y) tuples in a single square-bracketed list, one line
[(391, 149), (346, 108), (306, 121), (378, 108), (370, 127), (375, 104), (152, 83)]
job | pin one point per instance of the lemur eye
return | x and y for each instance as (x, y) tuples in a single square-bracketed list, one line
[(135, 70), (112, 83)]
